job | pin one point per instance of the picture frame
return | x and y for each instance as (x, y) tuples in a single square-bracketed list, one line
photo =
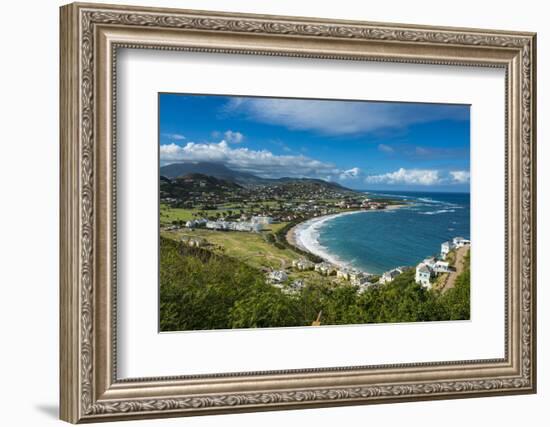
[(91, 35)]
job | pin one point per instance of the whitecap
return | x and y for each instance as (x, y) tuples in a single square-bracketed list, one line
[(440, 211)]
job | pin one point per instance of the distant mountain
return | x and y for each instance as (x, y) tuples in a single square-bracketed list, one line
[(220, 171), (313, 181), (217, 170)]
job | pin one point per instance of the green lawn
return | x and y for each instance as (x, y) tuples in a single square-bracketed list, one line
[(250, 248), (167, 215)]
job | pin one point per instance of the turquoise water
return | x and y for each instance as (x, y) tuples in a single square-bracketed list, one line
[(378, 241)]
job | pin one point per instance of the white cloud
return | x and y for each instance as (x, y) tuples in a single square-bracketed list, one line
[(385, 148), (259, 162), (407, 176), (350, 173), (342, 117), (420, 177), (460, 177), (174, 136), (233, 137)]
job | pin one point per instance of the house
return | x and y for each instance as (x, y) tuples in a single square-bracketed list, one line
[(357, 278), (441, 267), (388, 276), (277, 276), (458, 242), (343, 274), (430, 262), (212, 225), (325, 268), (264, 220), (233, 226), (446, 248), (423, 275), (302, 264)]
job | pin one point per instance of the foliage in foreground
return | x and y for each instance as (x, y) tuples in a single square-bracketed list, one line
[(201, 290)]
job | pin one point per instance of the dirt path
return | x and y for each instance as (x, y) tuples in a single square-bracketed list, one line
[(459, 265)]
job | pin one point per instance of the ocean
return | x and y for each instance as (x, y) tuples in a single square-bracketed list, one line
[(377, 241)]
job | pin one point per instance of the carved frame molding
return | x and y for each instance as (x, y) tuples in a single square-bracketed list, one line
[(90, 36)]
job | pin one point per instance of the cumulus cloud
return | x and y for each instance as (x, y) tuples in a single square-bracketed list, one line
[(259, 162), (342, 117), (407, 176), (420, 177), (460, 177), (233, 137), (174, 136), (350, 173)]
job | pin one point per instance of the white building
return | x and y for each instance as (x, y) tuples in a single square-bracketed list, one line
[(430, 262), (423, 275), (343, 273), (446, 248), (233, 226), (216, 225), (325, 268), (441, 267), (388, 276), (303, 264), (264, 220), (277, 276), (357, 278), (458, 242)]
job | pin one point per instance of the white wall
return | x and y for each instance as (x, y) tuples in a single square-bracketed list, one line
[(29, 169)]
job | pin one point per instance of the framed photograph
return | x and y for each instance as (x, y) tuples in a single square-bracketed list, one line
[(265, 212)]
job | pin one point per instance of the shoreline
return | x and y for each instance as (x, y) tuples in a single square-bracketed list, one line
[(304, 236)]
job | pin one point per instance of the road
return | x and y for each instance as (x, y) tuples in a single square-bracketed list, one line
[(459, 265)]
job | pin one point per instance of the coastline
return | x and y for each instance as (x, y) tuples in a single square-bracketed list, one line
[(305, 235)]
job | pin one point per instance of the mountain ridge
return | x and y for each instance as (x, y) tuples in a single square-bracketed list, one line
[(221, 171)]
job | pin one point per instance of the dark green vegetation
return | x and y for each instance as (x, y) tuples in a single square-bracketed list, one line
[(457, 299), (200, 290)]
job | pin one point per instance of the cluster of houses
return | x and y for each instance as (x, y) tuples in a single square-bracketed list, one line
[(457, 242), (255, 224), (354, 277), (431, 267), (428, 269), (361, 204), (277, 278)]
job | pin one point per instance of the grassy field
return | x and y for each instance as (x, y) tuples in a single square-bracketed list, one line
[(167, 215), (250, 248)]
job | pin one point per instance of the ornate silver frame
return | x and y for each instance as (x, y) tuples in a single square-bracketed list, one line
[(90, 36)]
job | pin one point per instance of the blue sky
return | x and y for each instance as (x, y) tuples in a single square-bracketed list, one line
[(360, 144)]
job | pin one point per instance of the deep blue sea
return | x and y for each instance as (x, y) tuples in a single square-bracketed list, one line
[(378, 241)]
